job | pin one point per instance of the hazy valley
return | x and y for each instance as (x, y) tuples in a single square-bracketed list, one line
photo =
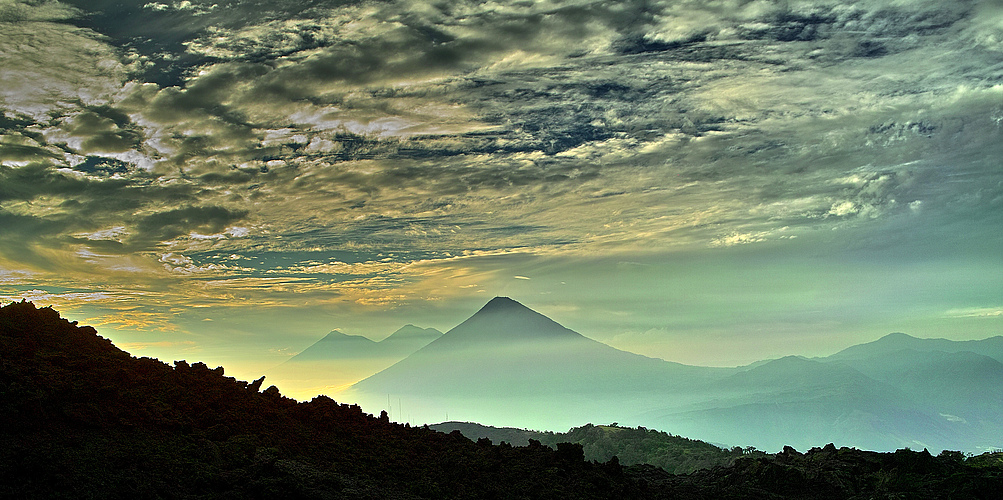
[(510, 366), (84, 419)]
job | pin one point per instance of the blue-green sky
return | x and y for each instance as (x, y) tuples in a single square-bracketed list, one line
[(711, 182)]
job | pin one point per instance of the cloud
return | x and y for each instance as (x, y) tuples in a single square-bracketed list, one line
[(184, 5), (49, 66), (22, 11), (102, 130), (170, 224), (975, 312)]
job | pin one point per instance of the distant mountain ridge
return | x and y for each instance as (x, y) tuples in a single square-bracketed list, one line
[(894, 392), (337, 345), (881, 395), (991, 347), (338, 360)]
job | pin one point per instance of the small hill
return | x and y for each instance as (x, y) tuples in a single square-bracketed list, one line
[(408, 339), (511, 435), (631, 446)]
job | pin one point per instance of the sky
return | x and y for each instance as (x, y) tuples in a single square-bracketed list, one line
[(709, 182)]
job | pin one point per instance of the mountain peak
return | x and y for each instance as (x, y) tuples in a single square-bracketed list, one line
[(507, 349), (503, 320), (898, 336), (409, 333), (503, 304), (333, 334)]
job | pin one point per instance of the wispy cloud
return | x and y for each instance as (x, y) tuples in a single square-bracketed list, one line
[(975, 312)]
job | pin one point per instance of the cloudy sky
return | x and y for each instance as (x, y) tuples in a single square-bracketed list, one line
[(710, 182)]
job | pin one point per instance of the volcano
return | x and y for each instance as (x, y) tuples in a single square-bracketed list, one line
[(506, 352)]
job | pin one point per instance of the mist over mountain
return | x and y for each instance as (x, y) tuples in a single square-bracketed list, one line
[(509, 365), (510, 347), (795, 402), (338, 360), (528, 366), (894, 342), (338, 346)]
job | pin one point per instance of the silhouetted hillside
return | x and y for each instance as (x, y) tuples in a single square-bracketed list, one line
[(511, 435), (83, 419), (843, 473)]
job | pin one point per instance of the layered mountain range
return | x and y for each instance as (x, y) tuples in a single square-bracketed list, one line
[(84, 419), (509, 365), (338, 359), (337, 345)]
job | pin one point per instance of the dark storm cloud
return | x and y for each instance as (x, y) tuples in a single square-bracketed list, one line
[(88, 194), (34, 180), (20, 230), (103, 133), (15, 147), (801, 22), (72, 206), (156, 32)]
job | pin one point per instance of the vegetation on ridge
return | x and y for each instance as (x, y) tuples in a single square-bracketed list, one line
[(674, 454)]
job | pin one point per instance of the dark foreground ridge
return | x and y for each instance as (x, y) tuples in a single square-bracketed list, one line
[(83, 419)]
